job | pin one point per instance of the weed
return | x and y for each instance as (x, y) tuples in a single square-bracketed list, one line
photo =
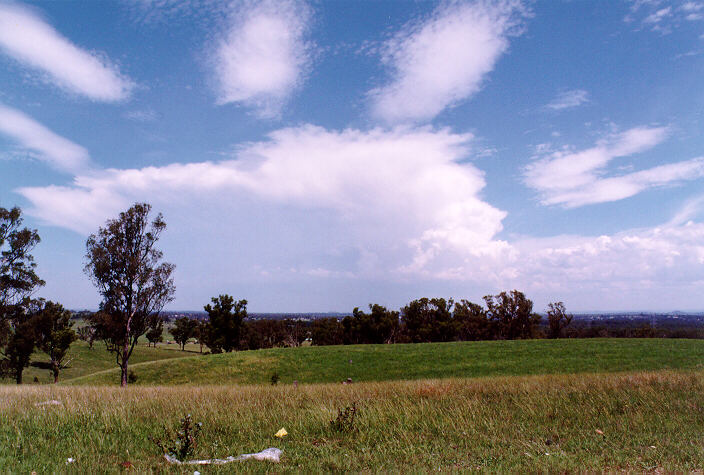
[(274, 378), (131, 377), (182, 444), (344, 422)]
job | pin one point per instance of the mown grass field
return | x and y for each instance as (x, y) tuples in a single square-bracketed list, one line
[(409, 362), (643, 421)]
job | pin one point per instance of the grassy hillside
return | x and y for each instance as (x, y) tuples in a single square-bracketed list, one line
[(407, 362), (85, 361), (619, 422)]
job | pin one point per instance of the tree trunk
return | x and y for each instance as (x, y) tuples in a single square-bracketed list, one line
[(55, 371), (125, 353), (123, 380), (18, 376)]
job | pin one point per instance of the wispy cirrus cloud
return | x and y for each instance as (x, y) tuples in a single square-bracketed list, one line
[(664, 16), (568, 100), (264, 55), (439, 62), (31, 41), (45, 145), (577, 178)]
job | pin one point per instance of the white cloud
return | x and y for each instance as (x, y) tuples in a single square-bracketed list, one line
[(569, 99), (31, 41), (400, 199), (577, 178), (439, 62), (264, 56), (59, 152)]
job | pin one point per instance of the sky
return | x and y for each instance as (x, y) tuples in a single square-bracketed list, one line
[(316, 156)]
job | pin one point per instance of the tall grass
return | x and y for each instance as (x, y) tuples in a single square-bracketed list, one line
[(647, 421)]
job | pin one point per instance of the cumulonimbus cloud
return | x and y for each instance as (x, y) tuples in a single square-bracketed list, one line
[(578, 178), (264, 55), (439, 62), (44, 144), (27, 38)]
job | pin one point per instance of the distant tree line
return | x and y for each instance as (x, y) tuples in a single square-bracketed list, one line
[(506, 316)]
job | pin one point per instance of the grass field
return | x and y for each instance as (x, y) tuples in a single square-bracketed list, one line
[(85, 361), (409, 362), (650, 421)]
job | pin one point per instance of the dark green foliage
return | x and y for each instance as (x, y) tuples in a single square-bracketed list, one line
[(268, 333), (512, 314), (19, 339), (225, 319), (155, 334), (471, 322), (183, 443), (54, 334), (327, 331), (429, 320), (378, 326), (274, 378), (17, 277), (125, 265), (344, 422), (183, 330), (131, 377), (18, 281), (558, 319)]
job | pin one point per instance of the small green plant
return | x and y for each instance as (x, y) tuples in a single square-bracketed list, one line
[(344, 422), (131, 377), (182, 444), (274, 378)]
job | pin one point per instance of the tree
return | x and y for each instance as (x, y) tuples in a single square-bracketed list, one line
[(428, 320), (558, 319), (184, 329), (18, 279), (18, 338), (378, 326), (124, 264), (326, 331), (225, 318), (54, 334), (512, 313), (201, 333), (88, 334), (471, 322), (155, 334)]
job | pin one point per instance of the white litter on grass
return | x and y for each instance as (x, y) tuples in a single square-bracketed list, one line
[(271, 454), (70, 460), (52, 402)]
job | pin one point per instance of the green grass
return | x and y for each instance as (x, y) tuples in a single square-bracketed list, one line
[(84, 361), (650, 422), (419, 361)]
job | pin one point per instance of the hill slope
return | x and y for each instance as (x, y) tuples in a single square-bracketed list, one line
[(416, 361)]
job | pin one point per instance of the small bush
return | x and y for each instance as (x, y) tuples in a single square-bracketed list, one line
[(131, 377), (274, 379), (182, 444), (344, 422)]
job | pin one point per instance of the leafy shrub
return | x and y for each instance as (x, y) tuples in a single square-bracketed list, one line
[(131, 377)]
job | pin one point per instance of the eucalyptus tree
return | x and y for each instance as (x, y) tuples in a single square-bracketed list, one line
[(123, 262)]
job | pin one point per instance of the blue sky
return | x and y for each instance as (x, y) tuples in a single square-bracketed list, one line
[(315, 156)]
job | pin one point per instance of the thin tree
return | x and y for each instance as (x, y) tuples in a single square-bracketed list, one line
[(183, 330), (54, 335), (558, 319), (124, 264), (155, 334)]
